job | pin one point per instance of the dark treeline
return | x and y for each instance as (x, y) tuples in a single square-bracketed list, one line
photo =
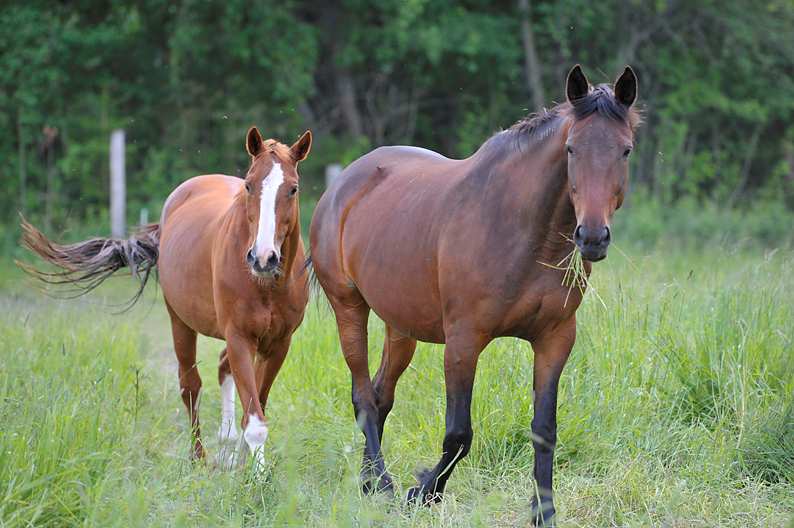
[(185, 80)]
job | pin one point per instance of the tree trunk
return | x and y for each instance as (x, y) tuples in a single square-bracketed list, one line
[(49, 199), (531, 62), (347, 102), (23, 165), (748, 162)]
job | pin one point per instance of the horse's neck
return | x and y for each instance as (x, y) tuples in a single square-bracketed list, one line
[(291, 246), (538, 184)]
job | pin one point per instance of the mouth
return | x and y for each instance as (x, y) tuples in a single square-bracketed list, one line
[(269, 271), (266, 273), (593, 254)]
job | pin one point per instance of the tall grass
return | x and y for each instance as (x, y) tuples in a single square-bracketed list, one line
[(675, 410)]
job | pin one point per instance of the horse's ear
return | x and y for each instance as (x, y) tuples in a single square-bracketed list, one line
[(300, 149), (626, 87), (576, 86), (253, 141)]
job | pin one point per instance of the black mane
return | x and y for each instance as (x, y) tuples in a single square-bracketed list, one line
[(539, 125), (599, 100)]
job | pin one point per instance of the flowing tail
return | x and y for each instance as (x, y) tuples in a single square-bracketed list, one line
[(85, 265)]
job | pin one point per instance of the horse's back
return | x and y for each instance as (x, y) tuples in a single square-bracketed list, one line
[(218, 187), (191, 217), (394, 166)]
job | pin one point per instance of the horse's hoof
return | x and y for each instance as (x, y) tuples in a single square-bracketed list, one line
[(421, 495), (544, 516), (372, 484)]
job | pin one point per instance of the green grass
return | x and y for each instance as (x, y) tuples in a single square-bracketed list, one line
[(676, 409)]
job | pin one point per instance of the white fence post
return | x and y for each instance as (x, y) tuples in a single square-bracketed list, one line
[(118, 190), (331, 172)]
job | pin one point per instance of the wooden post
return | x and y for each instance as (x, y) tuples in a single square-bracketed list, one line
[(531, 61), (331, 172), (118, 228)]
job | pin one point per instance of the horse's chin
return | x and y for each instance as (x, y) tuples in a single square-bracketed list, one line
[(594, 258)]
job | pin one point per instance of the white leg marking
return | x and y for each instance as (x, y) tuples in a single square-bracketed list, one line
[(228, 431), (266, 233), (255, 435)]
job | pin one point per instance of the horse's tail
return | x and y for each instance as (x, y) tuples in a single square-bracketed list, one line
[(85, 265)]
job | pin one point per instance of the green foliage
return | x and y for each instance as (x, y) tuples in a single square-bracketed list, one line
[(185, 79), (647, 221)]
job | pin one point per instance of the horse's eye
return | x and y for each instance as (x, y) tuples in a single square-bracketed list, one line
[(293, 191), (247, 187)]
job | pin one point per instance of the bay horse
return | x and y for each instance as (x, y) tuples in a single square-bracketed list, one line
[(458, 252), (230, 260)]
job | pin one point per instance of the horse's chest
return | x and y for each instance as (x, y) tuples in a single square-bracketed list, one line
[(270, 323), (541, 309)]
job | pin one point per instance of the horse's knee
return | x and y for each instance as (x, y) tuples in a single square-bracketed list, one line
[(190, 385)]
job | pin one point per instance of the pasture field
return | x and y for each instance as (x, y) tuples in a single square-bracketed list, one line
[(676, 409)]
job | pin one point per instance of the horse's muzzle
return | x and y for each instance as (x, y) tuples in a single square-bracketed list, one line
[(592, 242), (271, 267)]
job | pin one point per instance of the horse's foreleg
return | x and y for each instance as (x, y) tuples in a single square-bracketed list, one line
[(240, 349), (267, 366), (551, 352), (460, 363), (189, 379), (398, 350)]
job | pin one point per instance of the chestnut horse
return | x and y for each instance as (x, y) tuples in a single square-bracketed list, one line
[(231, 265), (457, 252)]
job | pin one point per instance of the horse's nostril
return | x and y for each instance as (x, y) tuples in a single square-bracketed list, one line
[(608, 234), (249, 257), (577, 234), (272, 260)]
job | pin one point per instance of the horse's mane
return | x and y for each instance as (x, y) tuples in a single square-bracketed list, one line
[(600, 100)]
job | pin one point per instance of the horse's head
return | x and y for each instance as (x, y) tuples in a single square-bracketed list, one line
[(599, 142), (271, 199)]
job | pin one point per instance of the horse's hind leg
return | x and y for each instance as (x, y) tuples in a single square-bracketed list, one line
[(351, 321), (398, 350), (228, 429), (228, 435), (189, 379)]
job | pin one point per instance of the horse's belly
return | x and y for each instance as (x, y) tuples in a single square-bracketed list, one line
[(400, 288), (420, 321)]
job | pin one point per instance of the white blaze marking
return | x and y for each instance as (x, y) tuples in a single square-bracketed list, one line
[(228, 429), (266, 233), (255, 436)]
